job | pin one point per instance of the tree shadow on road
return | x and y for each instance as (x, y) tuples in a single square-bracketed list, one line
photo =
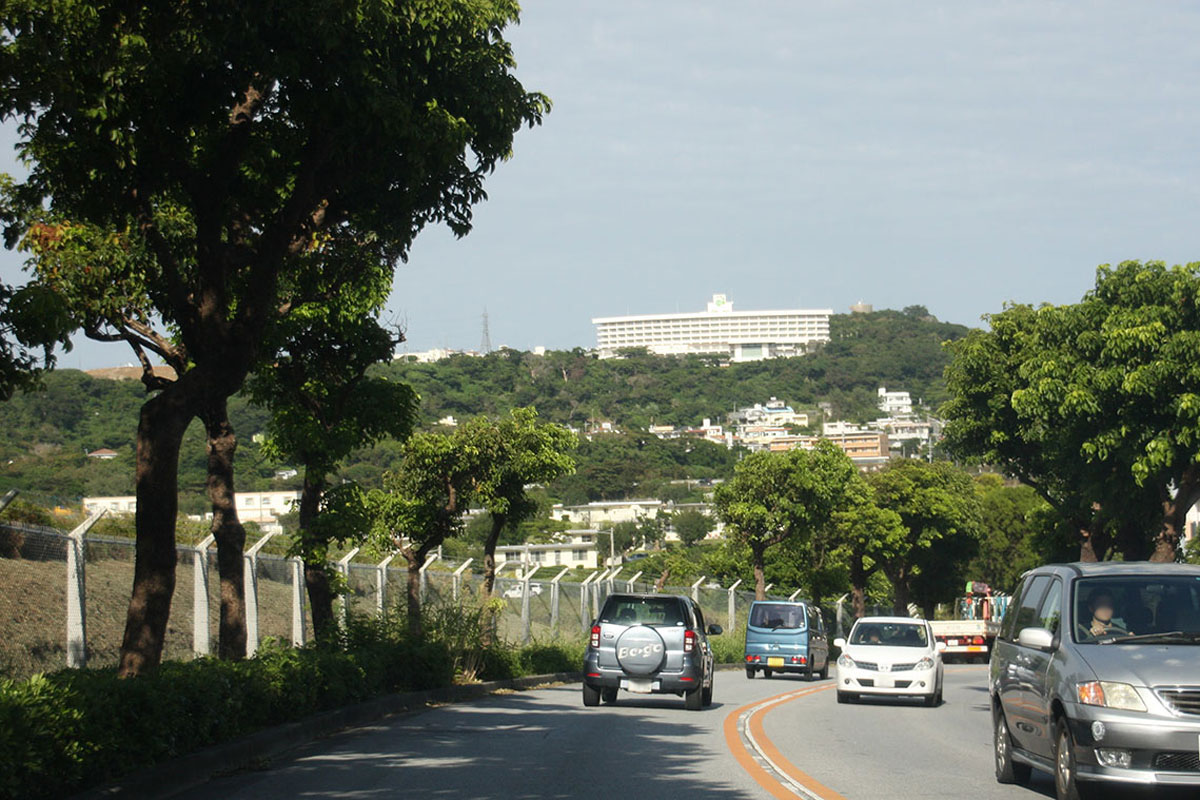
[(537, 744)]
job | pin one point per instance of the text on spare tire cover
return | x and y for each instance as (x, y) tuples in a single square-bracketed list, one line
[(645, 651)]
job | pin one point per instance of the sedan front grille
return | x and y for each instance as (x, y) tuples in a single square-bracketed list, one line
[(903, 667), (1181, 699), (867, 665), (1177, 762)]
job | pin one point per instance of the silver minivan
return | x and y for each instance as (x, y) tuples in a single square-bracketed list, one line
[(1095, 677)]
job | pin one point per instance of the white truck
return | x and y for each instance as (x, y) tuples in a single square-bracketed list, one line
[(970, 634)]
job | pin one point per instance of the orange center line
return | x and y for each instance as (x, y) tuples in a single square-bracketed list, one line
[(755, 731)]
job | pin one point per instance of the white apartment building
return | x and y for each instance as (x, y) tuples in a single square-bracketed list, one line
[(721, 331), (606, 513), (578, 549), (773, 412), (261, 507), (894, 404)]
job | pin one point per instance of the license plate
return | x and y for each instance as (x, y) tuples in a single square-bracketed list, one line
[(640, 686), (774, 661), (976, 648), (885, 683), (952, 642)]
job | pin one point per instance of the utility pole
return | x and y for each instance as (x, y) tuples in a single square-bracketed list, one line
[(485, 344)]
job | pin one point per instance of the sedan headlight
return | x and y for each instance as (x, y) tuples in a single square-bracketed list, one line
[(845, 661), (1110, 695), (924, 663)]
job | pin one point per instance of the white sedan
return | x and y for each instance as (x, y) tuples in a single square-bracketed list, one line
[(894, 656)]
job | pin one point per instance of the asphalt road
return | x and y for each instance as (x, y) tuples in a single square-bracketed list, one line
[(544, 743)]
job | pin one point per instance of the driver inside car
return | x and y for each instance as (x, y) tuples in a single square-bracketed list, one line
[(1102, 607)]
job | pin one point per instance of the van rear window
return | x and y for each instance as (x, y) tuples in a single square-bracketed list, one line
[(777, 615)]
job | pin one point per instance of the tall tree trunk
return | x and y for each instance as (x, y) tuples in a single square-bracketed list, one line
[(227, 529), (760, 578), (316, 572), (858, 585), (161, 426), (1094, 541), (489, 554), (1166, 541), (899, 578), (413, 590)]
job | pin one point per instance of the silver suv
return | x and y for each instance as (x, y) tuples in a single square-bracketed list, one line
[(649, 643), (1095, 677)]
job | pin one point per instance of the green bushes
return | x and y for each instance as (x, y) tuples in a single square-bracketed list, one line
[(729, 647), (71, 729)]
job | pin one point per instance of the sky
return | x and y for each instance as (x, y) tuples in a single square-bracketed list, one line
[(797, 153)]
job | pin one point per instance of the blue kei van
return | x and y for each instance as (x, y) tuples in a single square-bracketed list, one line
[(784, 636)]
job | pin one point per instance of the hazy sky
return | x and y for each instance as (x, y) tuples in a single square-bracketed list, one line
[(797, 153)]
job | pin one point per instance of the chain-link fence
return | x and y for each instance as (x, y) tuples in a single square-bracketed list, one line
[(61, 610)]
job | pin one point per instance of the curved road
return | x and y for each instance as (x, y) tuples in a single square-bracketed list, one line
[(781, 737)]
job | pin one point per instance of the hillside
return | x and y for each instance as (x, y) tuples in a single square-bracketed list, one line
[(45, 436)]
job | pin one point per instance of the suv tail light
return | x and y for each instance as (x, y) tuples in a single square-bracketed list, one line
[(596, 636), (689, 641)]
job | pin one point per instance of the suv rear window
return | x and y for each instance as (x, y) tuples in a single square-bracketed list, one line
[(787, 616), (643, 611)]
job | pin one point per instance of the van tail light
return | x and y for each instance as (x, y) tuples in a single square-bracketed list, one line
[(596, 636), (689, 641)]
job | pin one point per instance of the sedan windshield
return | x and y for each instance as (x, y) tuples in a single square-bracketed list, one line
[(1141, 609), (889, 634)]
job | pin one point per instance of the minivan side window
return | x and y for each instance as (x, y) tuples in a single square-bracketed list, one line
[(1031, 602), (1010, 614), (1050, 613)]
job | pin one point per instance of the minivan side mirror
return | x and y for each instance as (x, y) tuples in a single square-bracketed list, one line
[(940, 646), (1036, 639), (715, 630), (839, 643)]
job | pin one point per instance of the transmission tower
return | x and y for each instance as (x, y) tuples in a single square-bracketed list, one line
[(485, 345)]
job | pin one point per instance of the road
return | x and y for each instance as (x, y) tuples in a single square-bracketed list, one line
[(543, 743)]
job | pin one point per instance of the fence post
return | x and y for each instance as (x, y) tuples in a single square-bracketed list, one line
[(299, 634), (76, 596), (429, 560), (250, 587), (458, 578), (525, 622), (343, 566), (595, 590), (792, 596), (9, 496), (630, 582), (381, 584), (200, 637), (583, 601), (696, 588), (732, 604), (554, 599)]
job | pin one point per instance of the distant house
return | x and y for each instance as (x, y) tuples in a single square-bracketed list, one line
[(104, 454)]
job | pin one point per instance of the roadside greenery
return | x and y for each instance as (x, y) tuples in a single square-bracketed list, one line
[(64, 731)]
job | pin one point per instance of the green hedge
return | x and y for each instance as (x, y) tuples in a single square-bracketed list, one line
[(68, 730)]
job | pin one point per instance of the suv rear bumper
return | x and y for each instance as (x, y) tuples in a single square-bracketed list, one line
[(688, 679), (1164, 749)]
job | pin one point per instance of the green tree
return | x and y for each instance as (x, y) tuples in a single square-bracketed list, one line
[(939, 511), (307, 122), (1011, 518), (1095, 405), (867, 536), (777, 497), (324, 406), (525, 452), (422, 504), (692, 526)]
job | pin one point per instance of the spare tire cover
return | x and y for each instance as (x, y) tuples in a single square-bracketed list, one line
[(640, 650)]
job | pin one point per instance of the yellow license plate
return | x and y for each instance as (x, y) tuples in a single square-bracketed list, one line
[(774, 661)]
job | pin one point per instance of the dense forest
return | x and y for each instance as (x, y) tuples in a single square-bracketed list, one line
[(45, 435)]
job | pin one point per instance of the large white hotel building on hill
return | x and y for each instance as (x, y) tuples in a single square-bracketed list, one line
[(739, 335)]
